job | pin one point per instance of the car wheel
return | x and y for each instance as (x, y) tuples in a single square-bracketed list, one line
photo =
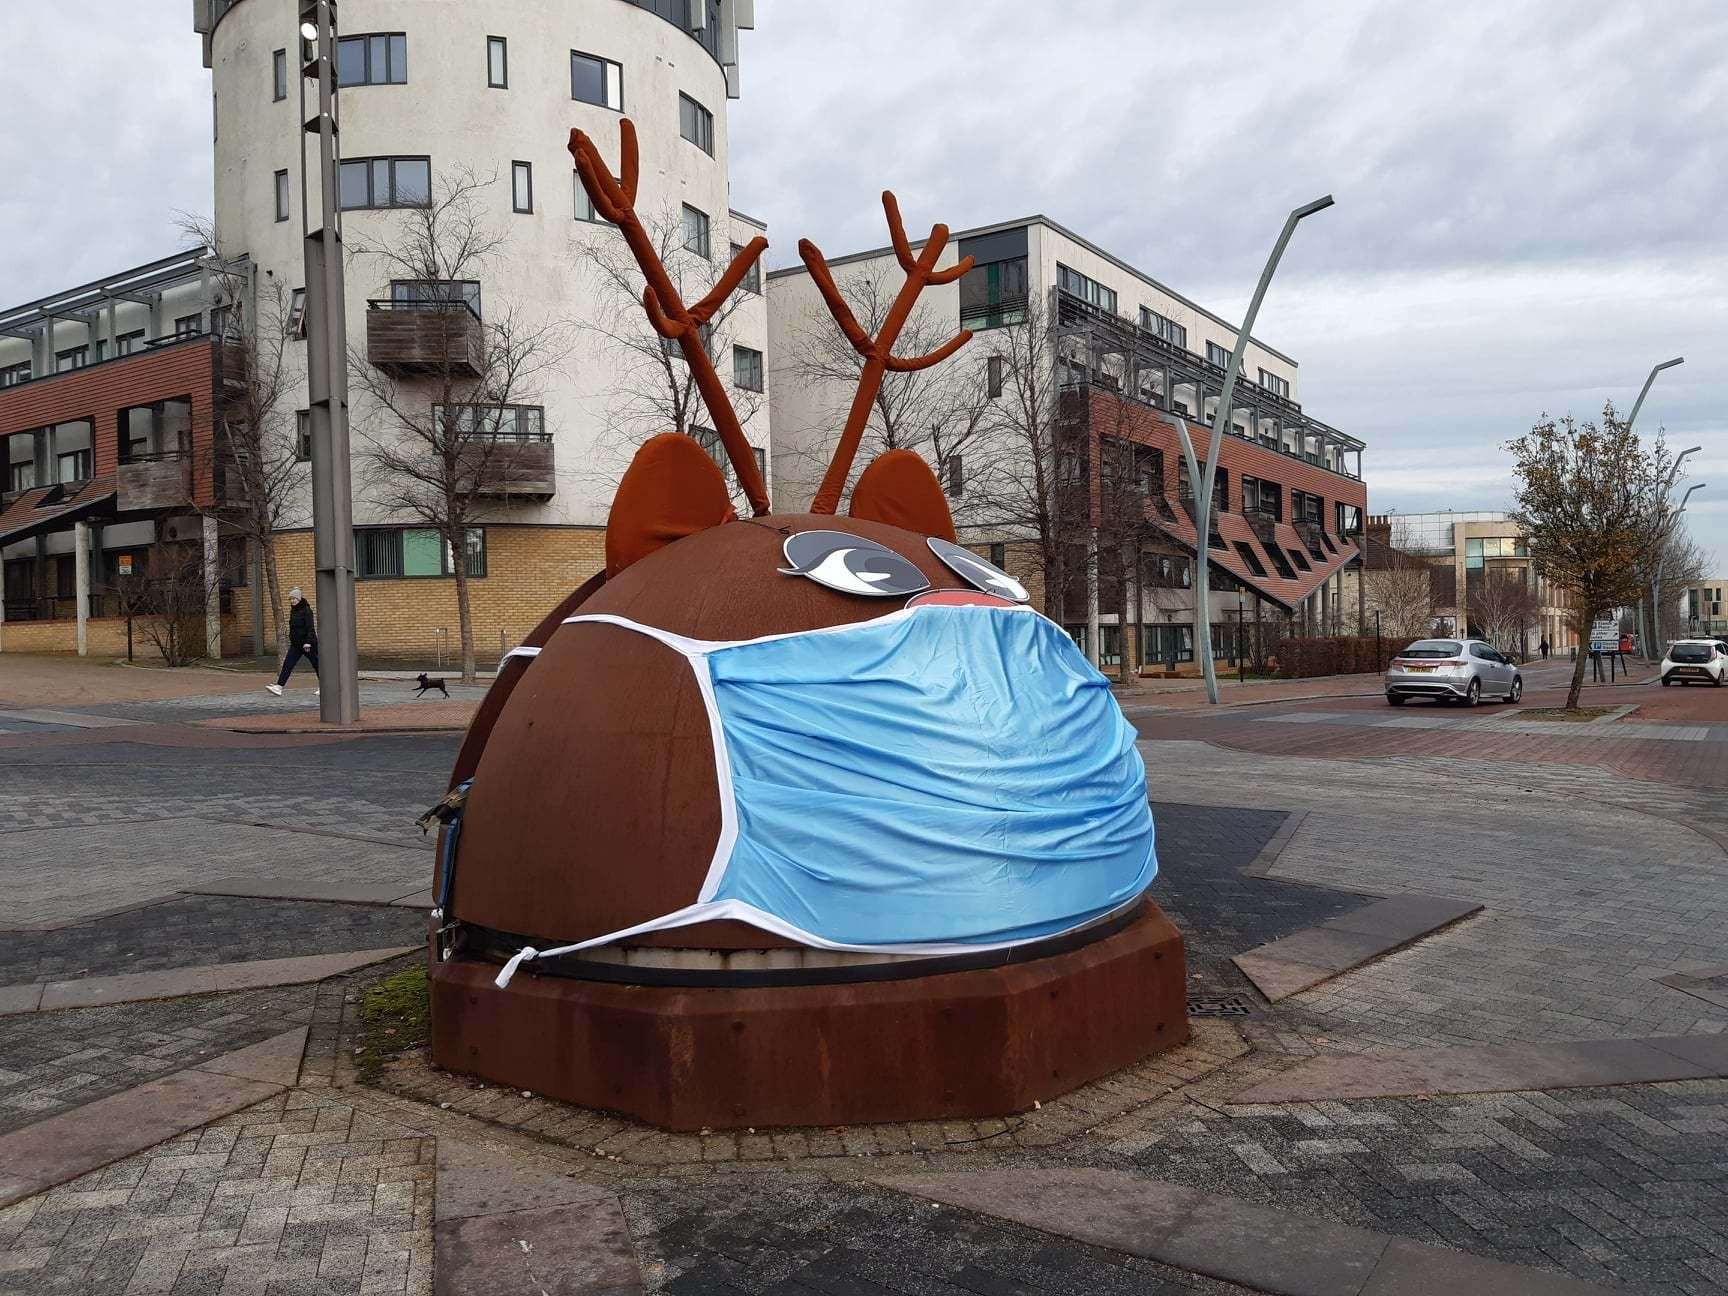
[(1666, 681), (1392, 699), (1517, 692), (1474, 695)]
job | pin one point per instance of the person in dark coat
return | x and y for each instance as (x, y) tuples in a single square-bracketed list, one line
[(302, 639), (1544, 648)]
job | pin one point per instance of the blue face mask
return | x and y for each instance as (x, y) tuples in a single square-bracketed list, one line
[(939, 780)]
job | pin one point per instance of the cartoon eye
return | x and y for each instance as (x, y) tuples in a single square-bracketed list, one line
[(852, 565), (978, 573)]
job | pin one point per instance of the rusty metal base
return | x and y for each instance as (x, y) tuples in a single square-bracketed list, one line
[(957, 1045)]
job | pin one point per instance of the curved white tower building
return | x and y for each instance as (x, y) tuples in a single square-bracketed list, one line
[(433, 93)]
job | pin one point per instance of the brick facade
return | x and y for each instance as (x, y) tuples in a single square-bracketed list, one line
[(528, 571)]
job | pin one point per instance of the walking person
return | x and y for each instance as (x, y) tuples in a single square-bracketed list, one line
[(302, 640), (1544, 647)]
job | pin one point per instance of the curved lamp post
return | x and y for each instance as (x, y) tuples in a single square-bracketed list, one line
[(1655, 627), (1203, 512), (1662, 544)]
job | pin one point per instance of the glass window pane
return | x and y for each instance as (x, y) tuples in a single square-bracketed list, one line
[(280, 63), (476, 546), (522, 186), (413, 182), (354, 189), (587, 79), (422, 553), (615, 86), (381, 182), (378, 59), (351, 61), (497, 65), (398, 60)]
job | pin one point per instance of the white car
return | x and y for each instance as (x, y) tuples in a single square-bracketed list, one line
[(1694, 661)]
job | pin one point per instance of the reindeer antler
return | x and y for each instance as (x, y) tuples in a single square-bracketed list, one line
[(616, 201), (878, 351)]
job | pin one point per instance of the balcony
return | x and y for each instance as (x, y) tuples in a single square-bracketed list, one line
[(512, 467), (425, 337), (155, 481)]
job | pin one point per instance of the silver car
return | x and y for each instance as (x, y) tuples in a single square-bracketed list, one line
[(1453, 670)]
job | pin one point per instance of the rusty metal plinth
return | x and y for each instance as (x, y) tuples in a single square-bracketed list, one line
[(956, 1045)]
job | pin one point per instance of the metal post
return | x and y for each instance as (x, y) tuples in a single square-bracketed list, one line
[(1655, 369), (1203, 524), (327, 390), (81, 570)]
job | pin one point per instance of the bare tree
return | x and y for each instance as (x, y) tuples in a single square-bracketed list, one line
[(255, 452), (443, 444), (1505, 606), (1681, 563), (166, 602), (942, 413), (651, 387), (1399, 585), (1585, 496)]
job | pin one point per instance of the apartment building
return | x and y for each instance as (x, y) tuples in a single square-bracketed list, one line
[(1123, 358), (122, 379), (1703, 610)]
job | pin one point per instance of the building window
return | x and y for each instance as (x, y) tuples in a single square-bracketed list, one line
[(497, 63), (999, 554), (281, 195), (696, 231), (297, 313), (993, 376), (389, 553), (1218, 355), (585, 205), (12, 375), (516, 423), (1246, 552), (414, 291), (189, 325), (1168, 329), (522, 187), (23, 477), (303, 436), (1087, 290), (127, 343), (279, 73), (380, 59), (597, 81), (1274, 384), (752, 281), (79, 356), (993, 295), (385, 182), (1305, 507), (955, 471), (73, 466), (746, 369), (696, 124)]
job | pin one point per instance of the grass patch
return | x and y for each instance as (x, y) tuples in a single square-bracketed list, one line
[(395, 1016), (1562, 714)]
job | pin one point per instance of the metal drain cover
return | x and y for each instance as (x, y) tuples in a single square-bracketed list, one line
[(1220, 1006)]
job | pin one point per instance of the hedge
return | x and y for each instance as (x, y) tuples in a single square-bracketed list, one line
[(1306, 658)]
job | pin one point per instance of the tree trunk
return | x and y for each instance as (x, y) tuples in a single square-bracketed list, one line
[(1092, 646), (1586, 618), (464, 621)]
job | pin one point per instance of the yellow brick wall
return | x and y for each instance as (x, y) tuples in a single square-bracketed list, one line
[(105, 637), (529, 570)]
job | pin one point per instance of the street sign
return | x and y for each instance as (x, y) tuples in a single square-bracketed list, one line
[(1605, 636)]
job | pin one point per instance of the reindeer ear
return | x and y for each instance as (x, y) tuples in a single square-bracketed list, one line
[(671, 489), (899, 489)]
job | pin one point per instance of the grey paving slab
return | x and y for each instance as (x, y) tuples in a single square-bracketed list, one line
[(19, 999), (273, 1061), (1707, 1052), (1266, 1249), (91, 992), (476, 1180), (87, 1138), (67, 719), (1279, 978), (1406, 917), (546, 1251), (1582, 1064), (314, 889), (1307, 958)]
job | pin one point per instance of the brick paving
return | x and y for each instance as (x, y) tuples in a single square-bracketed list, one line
[(52, 1062), (191, 931), (298, 1194)]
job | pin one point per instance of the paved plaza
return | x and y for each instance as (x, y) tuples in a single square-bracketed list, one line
[(226, 902)]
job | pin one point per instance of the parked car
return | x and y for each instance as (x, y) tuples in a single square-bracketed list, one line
[(1689, 661), (1453, 670)]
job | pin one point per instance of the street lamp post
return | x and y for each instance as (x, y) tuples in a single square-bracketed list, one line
[(1655, 625), (327, 380), (1661, 545), (1203, 515)]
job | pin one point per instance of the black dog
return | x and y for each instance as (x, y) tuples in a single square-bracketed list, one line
[(427, 683)]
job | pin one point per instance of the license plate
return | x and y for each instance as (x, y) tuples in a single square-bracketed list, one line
[(1417, 670)]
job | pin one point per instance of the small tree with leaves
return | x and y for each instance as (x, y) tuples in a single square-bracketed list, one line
[(1585, 496), (438, 445), (1505, 607)]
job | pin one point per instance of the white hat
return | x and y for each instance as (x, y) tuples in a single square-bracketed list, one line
[(295, 593)]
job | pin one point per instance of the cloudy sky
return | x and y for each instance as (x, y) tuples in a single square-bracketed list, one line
[(1532, 198)]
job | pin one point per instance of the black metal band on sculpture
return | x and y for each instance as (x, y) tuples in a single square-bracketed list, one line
[(488, 945)]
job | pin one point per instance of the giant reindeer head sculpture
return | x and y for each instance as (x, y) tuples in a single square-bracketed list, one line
[(790, 730)]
